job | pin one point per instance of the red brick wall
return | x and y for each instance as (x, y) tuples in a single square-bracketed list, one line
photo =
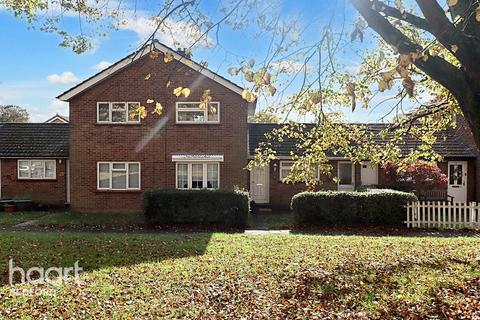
[(48, 192), (91, 142)]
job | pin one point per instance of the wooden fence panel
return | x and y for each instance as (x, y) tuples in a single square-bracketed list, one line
[(443, 215)]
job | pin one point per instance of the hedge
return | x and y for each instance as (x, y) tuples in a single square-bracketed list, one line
[(171, 206), (372, 207)]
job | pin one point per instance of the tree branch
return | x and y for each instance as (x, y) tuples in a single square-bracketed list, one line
[(410, 18)]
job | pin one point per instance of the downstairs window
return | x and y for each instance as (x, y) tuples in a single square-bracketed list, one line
[(195, 175), (118, 175)]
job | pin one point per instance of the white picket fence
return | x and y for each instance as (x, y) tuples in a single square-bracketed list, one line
[(443, 215)]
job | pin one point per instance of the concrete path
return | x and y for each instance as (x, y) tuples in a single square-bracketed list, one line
[(29, 222), (267, 232)]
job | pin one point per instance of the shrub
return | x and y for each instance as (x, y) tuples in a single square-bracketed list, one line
[(417, 176), (171, 206), (373, 207)]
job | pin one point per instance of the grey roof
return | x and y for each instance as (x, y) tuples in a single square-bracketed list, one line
[(29, 140), (448, 145)]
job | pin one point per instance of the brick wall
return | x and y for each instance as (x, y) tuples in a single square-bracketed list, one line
[(91, 142), (48, 192)]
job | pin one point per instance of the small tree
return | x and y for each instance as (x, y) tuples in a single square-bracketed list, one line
[(417, 176), (11, 113)]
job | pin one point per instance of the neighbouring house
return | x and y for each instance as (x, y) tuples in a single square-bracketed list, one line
[(34, 162), (58, 119), (106, 155), (460, 166)]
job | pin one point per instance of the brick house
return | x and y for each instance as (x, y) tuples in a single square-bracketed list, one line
[(106, 155)]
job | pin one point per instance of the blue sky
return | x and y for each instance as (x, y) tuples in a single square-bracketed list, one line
[(34, 69)]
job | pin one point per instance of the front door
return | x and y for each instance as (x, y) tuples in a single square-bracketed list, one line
[(259, 185), (457, 180), (369, 174)]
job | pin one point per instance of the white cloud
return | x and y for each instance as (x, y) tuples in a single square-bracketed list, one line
[(290, 66), (102, 65), (64, 78), (172, 33)]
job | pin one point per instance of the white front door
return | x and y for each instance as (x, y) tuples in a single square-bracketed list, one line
[(457, 180), (369, 174), (259, 186)]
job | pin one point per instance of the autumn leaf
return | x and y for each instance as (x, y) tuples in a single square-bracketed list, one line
[(186, 92), (177, 91), (248, 96), (233, 71), (153, 54), (408, 84), (454, 48), (167, 57), (169, 83), (149, 101), (158, 109), (452, 3), (477, 13), (148, 76), (272, 90)]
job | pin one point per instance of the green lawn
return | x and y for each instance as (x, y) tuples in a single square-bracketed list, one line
[(14, 218), (203, 275), (73, 219)]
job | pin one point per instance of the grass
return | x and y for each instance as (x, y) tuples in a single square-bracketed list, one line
[(271, 220), (204, 275), (74, 219), (14, 218)]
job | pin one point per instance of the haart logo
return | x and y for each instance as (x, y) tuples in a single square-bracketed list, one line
[(52, 275)]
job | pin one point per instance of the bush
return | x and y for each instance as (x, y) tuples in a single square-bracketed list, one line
[(171, 206), (373, 207)]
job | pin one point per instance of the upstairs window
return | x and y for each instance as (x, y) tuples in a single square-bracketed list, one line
[(118, 112), (37, 169), (190, 112)]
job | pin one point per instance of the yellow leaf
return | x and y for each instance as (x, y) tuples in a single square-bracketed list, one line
[(249, 96), (148, 76), (158, 109), (169, 83), (451, 3), (167, 57), (454, 48), (177, 91), (153, 54), (477, 14), (150, 101), (189, 63), (272, 90), (186, 92)]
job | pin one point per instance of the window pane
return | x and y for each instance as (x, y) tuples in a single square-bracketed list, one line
[(119, 166), (50, 168), (213, 112), (285, 169), (133, 176), (37, 170), (212, 176), (119, 112), (197, 176), (23, 169), (191, 116), (182, 176), (133, 114), (103, 112), (104, 175), (188, 105), (345, 173), (119, 179)]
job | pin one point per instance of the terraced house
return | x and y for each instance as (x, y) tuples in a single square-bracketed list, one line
[(104, 155)]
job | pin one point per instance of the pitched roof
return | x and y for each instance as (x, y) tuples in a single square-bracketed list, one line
[(448, 145), (72, 92), (29, 140), (58, 119)]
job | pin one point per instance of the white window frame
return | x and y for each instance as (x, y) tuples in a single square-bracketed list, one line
[(346, 186), (205, 112), (110, 104), (110, 170), (284, 163), (189, 174), (30, 169)]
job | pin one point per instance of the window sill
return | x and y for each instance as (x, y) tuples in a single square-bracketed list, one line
[(114, 124), (118, 191), (39, 180), (197, 123)]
